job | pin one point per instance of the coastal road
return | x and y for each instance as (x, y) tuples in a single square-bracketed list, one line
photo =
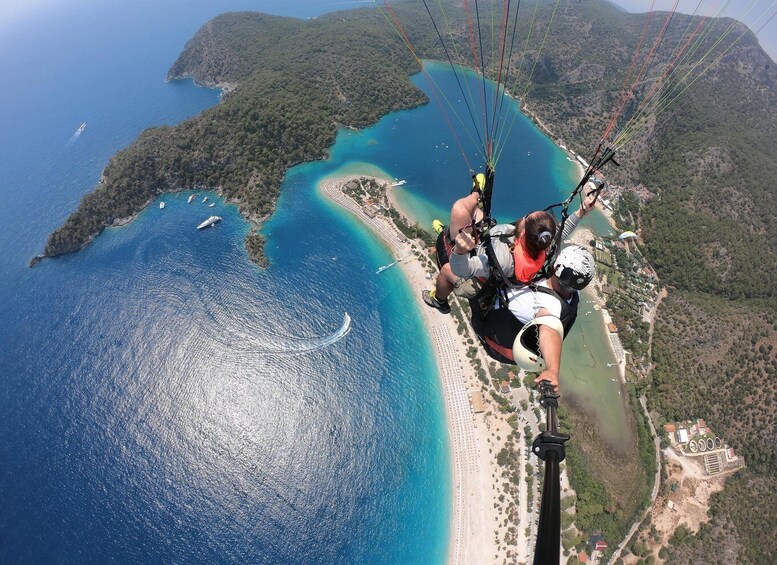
[(656, 440)]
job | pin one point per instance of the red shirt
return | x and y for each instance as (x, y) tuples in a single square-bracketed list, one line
[(525, 266)]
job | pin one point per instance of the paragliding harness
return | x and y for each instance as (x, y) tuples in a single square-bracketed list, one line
[(498, 282), (495, 289), (497, 328), (599, 161)]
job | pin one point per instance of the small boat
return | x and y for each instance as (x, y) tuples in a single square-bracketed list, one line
[(384, 267), (209, 222), (161, 205), (80, 129), (190, 199), (211, 205), (613, 380), (398, 183), (205, 199)]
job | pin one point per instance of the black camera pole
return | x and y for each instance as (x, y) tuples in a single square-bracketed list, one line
[(549, 446)]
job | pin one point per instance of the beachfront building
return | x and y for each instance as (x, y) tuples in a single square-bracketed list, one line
[(371, 210)]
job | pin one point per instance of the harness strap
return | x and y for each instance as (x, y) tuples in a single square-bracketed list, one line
[(501, 349), (503, 282)]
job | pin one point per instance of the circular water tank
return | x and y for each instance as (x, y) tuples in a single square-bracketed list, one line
[(710, 444), (702, 445), (692, 446), (718, 443)]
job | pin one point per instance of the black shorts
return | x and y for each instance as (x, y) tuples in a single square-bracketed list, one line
[(497, 331)]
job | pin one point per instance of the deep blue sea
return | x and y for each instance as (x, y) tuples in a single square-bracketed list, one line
[(163, 399)]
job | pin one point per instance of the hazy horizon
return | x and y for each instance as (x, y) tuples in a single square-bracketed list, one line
[(754, 13)]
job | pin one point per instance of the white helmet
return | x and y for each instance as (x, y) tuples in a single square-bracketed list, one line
[(525, 347), (574, 267)]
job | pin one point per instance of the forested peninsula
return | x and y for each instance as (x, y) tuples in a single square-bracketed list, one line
[(705, 215), (289, 84)]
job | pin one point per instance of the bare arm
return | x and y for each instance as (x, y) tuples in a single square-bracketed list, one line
[(586, 206), (550, 347)]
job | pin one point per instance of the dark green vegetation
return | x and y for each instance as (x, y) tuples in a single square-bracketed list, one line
[(711, 235), (294, 82), (728, 373), (709, 231), (606, 503)]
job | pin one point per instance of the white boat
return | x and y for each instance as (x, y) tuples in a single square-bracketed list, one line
[(205, 199), (190, 199), (209, 222), (211, 205), (80, 129), (384, 267), (161, 205), (398, 183)]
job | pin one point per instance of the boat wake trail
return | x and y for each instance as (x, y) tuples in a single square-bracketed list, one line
[(292, 345), (77, 134)]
